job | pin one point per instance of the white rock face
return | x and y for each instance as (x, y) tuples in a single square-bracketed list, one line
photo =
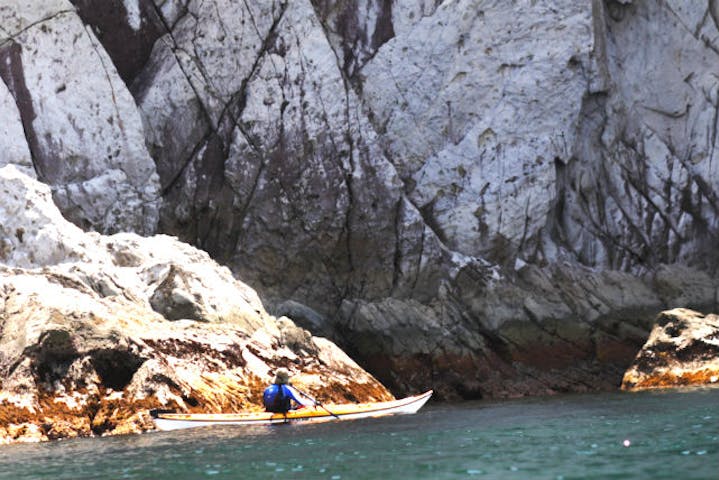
[(282, 159), (133, 13), (12, 138), (644, 167), (81, 123), (510, 128)]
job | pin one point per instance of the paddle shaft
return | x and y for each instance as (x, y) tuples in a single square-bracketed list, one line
[(317, 404)]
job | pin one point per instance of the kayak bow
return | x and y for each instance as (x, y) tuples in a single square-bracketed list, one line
[(348, 411)]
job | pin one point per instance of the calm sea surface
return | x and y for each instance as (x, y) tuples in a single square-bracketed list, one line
[(673, 435)]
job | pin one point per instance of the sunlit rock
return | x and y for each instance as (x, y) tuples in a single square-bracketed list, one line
[(12, 140), (79, 120), (97, 329), (682, 350)]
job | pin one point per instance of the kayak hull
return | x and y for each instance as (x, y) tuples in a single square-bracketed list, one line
[(316, 414)]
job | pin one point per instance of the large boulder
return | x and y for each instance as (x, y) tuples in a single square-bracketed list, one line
[(682, 350), (97, 329)]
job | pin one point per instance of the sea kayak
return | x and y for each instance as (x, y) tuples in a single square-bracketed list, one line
[(318, 413)]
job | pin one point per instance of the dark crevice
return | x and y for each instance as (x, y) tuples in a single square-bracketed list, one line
[(245, 208), (213, 194), (172, 181), (115, 367), (397, 258), (384, 29), (359, 43), (557, 217), (128, 47), (427, 212), (633, 180), (348, 175), (705, 188), (234, 108), (12, 74)]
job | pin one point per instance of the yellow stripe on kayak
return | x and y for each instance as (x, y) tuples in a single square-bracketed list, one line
[(307, 412)]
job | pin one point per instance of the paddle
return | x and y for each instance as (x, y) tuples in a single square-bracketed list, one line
[(317, 404)]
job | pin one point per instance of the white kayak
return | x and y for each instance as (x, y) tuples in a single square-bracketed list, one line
[(319, 413)]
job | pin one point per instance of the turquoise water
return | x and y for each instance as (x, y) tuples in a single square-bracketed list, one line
[(673, 435)]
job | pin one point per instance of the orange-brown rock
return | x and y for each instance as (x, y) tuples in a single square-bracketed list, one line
[(682, 350)]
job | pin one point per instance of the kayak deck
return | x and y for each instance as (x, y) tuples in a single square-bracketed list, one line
[(319, 413)]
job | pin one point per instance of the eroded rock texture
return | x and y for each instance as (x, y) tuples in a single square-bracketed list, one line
[(682, 350), (94, 330), (490, 198), (81, 127)]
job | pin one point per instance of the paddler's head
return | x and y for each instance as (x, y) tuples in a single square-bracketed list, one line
[(282, 376)]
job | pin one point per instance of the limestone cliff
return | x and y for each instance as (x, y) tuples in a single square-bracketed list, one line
[(490, 198)]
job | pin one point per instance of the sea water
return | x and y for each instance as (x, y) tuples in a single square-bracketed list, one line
[(652, 435)]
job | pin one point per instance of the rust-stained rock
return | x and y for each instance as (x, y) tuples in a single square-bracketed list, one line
[(92, 333), (682, 350)]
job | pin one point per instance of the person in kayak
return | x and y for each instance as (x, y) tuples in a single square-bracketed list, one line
[(279, 397)]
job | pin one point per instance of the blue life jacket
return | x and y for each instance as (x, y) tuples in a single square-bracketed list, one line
[(277, 398)]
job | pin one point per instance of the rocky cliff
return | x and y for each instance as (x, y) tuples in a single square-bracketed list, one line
[(97, 329), (491, 198)]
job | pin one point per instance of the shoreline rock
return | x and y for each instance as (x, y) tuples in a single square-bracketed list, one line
[(95, 330), (548, 330), (682, 350)]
